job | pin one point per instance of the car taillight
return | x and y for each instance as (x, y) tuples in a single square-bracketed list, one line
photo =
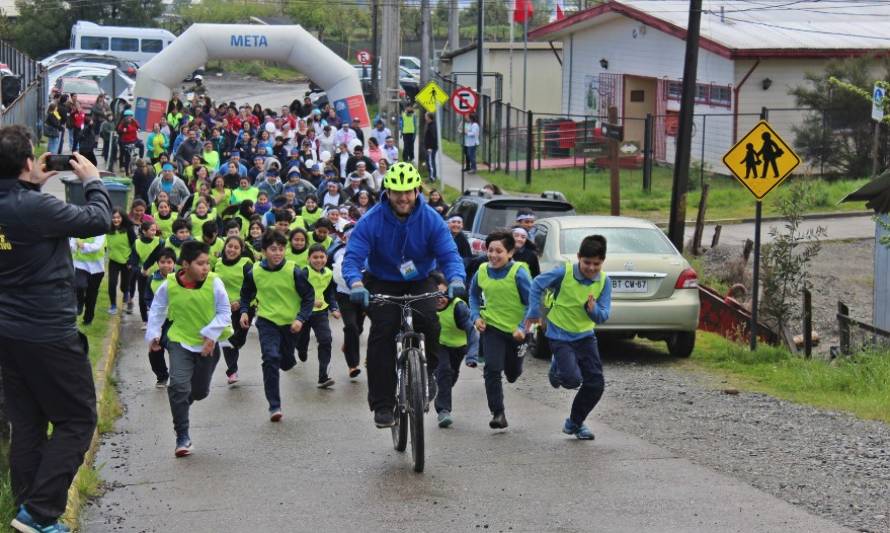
[(477, 245), (688, 280), (131, 71)]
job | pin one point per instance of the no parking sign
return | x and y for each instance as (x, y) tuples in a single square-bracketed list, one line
[(464, 100)]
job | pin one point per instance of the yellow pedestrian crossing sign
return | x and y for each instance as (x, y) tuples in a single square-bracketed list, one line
[(761, 160), (430, 96)]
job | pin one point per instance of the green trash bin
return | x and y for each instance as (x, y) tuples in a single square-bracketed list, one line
[(118, 189)]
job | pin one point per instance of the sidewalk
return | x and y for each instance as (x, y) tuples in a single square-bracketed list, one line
[(450, 172)]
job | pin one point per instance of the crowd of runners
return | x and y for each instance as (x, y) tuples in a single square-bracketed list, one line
[(248, 217)]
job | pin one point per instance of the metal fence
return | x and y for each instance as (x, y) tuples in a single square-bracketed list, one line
[(519, 142), (29, 108)]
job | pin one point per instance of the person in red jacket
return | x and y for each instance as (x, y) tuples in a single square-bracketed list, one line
[(128, 132)]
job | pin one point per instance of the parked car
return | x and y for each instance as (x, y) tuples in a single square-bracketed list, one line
[(73, 70), (409, 82), (654, 289), (86, 90), (484, 212), (76, 57)]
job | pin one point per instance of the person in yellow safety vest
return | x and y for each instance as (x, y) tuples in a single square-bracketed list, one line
[(408, 127), (322, 280), (498, 300), (582, 298), (458, 339), (197, 305), (89, 269)]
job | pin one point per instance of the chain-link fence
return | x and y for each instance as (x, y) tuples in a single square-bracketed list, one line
[(519, 142)]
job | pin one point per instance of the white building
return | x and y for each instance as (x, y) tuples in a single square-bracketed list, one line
[(629, 54), (503, 65)]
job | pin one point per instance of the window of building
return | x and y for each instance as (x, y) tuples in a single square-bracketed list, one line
[(152, 46), (705, 93), (93, 43), (638, 96), (122, 44)]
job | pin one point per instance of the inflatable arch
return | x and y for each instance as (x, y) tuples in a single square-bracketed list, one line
[(284, 44)]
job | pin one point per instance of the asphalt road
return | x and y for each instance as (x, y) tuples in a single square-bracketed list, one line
[(325, 466)]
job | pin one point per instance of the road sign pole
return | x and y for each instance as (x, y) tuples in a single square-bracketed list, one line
[(755, 284), (439, 173)]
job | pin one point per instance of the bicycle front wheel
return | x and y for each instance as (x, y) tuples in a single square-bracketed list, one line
[(416, 403), (400, 429)]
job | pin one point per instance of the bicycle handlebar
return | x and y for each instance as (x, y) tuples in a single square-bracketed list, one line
[(406, 299)]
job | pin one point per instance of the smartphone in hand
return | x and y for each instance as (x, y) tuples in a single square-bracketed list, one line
[(59, 162)]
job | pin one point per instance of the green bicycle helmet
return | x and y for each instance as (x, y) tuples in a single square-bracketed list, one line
[(402, 177)]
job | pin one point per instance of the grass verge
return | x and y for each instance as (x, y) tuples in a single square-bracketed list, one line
[(859, 384), (258, 69), (727, 199)]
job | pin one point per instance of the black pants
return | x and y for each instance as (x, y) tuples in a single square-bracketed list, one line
[(353, 325), (156, 357), (87, 292), (408, 147), (386, 321), (43, 383), (90, 155), (237, 340), (115, 271), (138, 288), (501, 359), (320, 324)]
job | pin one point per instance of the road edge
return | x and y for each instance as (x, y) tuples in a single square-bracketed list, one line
[(104, 368)]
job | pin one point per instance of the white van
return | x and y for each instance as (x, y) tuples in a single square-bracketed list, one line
[(136, 44)]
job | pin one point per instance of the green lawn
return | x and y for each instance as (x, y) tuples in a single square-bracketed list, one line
[(257, 69), (859, 384), (727, 199), (109, 411)]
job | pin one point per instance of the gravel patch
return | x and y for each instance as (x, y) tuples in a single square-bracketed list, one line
[(843, 271), (832, 464)]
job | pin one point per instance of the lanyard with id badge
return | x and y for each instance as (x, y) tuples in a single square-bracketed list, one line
[(407, 268)]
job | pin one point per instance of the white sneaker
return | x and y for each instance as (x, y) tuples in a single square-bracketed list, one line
[(144, 326)]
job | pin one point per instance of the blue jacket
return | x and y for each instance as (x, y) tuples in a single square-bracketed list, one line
[(553, 280), (386, 242)]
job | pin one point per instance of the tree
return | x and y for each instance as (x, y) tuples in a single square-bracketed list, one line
[(839, 133), (43, 26), (786, 258)]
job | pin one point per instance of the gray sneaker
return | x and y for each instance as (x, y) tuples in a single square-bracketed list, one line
[(445, 419)]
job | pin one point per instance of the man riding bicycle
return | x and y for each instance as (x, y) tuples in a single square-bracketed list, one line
[(128, 132), (398, 243)]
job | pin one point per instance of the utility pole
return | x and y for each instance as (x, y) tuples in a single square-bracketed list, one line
[(453, 25), (677, 226), (375, 49), (480, 40), (426, 29), (390, 50)]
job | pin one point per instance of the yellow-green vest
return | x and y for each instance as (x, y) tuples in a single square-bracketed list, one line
[(503, 307), (569, 308), (190, 310), (451, 336), (279, 301), (320, 282), (118, 246), (232, 276), (88, 257)]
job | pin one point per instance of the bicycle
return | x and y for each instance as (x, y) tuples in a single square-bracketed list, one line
[(412, 398)]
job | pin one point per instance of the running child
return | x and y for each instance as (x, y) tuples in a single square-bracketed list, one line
[(322, 233), (147, 248), (503, 285), (298, 249), (195, 301), (89, 269), (310, 212), (457, 340), (285, 303), (166, 264), (353, 315), (165, 218), (232, 267), (322, 280), (182, 233), (254, 238), (581, 298), (119, 242), (209, 232)]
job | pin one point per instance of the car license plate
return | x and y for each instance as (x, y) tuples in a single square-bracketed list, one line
[(630, 285)]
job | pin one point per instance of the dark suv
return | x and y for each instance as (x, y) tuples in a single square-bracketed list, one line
[(484, 212)]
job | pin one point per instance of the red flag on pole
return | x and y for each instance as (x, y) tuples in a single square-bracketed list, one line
[(560, 14), (522, 11)]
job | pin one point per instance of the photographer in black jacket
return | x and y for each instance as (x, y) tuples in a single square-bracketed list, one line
[(47, 375)]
